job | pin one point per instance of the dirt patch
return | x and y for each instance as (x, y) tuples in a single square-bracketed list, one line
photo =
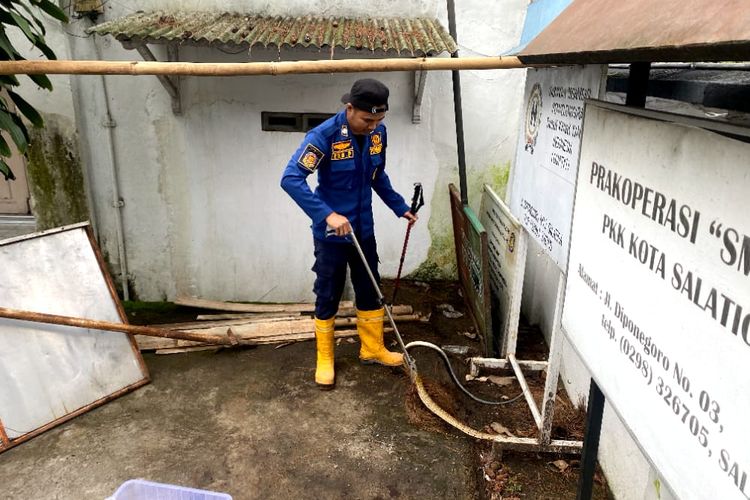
[(499, 475), (502, 475), (416, 412)]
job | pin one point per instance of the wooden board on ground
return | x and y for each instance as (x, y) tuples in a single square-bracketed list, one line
[(269, 323), (170, 346), (221, 317), (274, 330), (253, 308)]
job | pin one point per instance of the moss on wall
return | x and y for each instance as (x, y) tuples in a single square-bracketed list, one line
[(58, 195), (441, 257), (494, 175)]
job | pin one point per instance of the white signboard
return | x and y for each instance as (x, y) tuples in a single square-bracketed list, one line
[(547, 154), (506, 241), (658, 292), (49, 373)]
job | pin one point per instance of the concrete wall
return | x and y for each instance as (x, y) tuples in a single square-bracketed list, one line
[(201, 211)]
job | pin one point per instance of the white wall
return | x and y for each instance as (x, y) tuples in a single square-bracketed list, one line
[(203, 214), (322, 8)]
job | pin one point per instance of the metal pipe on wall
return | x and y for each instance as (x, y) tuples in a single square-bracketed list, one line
[(458, 110), (117, 202)]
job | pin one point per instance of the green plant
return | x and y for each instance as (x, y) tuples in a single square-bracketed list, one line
[(23, 15), (512, 485)]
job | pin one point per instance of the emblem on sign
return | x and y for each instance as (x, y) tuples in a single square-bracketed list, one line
[(533, 117)]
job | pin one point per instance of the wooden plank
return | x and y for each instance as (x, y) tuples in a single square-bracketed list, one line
[(397, 309), (339, 334), (271, 331), (343, 311), (280, 339), (225, 316), (197, 325), (179, 350), (273, 326), (254, 308), (150, 343)]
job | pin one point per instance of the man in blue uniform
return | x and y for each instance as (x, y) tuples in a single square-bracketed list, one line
[(348, 153)]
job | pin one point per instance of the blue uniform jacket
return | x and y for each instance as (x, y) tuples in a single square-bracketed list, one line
[(346, 177)]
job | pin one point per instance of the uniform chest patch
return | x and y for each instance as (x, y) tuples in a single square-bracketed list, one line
[(342, 150), (376, 144), (310, 158)]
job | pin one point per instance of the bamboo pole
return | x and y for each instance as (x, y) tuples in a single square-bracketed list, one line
[(149, 331), (65, 67)]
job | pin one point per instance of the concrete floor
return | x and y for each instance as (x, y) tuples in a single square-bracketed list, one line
[(250, 423), (16, 225)]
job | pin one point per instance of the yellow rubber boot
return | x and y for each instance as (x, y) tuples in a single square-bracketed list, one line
[(372, 350), (324, 374)]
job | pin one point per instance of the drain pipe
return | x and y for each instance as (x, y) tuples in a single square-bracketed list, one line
[(117, 201), (457, 109)]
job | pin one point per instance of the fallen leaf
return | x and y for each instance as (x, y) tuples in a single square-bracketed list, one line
[(501, 381), (501, 429), (561, 465), (455, 349), (452, 314)]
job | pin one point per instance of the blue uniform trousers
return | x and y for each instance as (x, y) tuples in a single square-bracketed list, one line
[(331, 260)]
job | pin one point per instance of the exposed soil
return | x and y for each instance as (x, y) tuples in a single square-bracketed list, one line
[(500, 475)]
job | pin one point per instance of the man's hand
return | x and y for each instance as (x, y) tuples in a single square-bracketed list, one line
[(410, 217), (339, 224)]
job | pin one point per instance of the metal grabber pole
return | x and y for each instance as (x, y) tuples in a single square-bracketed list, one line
[(408, 360), (417, 201), (411, 366)]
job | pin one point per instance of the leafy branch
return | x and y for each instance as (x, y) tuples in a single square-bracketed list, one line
[(23, 15)]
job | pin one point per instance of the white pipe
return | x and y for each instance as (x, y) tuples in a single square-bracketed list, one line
[(117, 202)]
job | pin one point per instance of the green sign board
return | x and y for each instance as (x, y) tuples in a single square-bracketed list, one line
[(473, 271)]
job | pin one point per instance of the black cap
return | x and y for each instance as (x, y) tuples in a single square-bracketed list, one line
[(368, 95)]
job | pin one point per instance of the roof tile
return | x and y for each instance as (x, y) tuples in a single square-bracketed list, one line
[(404, 36)]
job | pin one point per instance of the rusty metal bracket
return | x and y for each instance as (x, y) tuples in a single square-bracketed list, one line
[(420, 77)]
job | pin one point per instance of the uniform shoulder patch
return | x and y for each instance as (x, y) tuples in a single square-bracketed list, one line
[(376, 141), (310, 157)]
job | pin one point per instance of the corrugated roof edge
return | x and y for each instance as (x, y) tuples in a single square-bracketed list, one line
[(423, 37)]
